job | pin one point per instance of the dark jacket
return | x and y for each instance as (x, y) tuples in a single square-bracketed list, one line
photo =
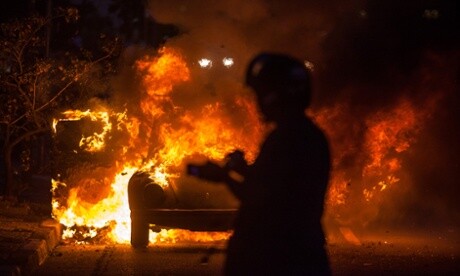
[(278, 229)]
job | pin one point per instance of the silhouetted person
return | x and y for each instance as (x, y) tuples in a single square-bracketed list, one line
[(278, 229)]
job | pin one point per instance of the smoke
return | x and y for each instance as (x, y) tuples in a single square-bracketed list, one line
[(241, 29), (390, 51), (381, 47), (368, 56)]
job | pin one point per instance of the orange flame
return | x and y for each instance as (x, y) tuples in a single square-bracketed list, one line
[(158, 135), (158, 143), (94, 142), (160, 75), (388, 134)]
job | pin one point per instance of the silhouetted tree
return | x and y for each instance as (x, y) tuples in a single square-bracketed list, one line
[(33, 85)]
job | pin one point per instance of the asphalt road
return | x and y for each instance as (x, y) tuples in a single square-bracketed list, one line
[(178, 259), (399, 256)]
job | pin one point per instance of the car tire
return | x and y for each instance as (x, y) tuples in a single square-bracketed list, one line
[(139, 233)]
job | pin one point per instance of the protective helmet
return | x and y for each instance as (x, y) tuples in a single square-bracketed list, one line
[(286, 80)]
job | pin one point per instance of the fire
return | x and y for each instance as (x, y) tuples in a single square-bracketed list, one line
[(158, 139), (163, 72), (157, 134), (174, 235), (206, 135), (368, 157), (389, 134), (94, 142), (160, 74), (112, 208)]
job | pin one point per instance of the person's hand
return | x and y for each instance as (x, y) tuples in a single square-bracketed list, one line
[(236, 162), (209, 171)]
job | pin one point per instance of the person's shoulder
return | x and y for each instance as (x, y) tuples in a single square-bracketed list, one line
[(314, 127), (316, 133)]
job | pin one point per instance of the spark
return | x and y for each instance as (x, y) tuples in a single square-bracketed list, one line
[(310, 66)]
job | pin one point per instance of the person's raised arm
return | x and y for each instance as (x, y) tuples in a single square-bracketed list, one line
[(215, 173)]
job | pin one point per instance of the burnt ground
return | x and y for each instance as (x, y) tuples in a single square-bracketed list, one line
[(428, 253)]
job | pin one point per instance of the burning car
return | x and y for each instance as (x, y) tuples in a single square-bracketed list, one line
[(88, 147), (122, 165), (148, 202)]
